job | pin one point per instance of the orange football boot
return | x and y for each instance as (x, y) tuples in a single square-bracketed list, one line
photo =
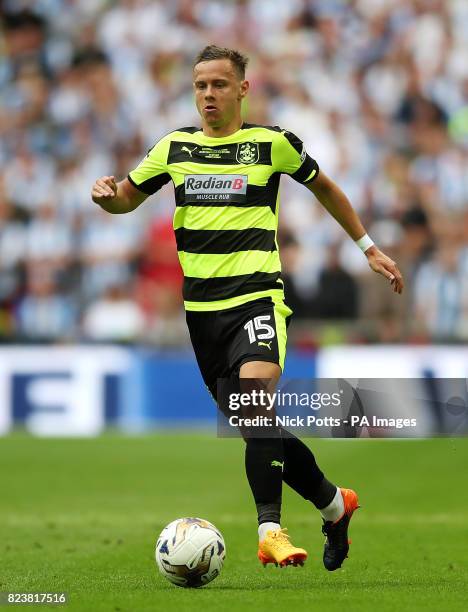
[(337, 544), (276, 548)]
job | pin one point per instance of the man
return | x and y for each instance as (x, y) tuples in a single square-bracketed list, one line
[(226, 178)]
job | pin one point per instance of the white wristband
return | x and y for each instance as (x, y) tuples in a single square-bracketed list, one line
[(364, 243)]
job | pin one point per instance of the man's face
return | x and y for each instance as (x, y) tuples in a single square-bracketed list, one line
[(218, 91)]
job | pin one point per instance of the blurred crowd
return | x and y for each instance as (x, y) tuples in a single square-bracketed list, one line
[(377, 89)]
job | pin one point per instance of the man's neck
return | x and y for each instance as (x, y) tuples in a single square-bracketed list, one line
[(222, 131)]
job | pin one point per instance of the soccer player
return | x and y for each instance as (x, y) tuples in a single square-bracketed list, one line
[(226, 176)]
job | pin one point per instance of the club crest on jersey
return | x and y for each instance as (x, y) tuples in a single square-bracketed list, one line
[(247, 153)]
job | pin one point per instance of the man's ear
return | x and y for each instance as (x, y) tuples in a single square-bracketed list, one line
[(244, 88)]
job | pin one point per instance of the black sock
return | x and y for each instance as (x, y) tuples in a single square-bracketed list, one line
[(263, 464), (324, 494), (302, 473)]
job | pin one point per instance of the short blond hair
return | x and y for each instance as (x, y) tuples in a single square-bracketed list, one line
[(213, 52)]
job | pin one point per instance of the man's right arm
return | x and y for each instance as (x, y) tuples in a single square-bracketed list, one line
[(116, 198)]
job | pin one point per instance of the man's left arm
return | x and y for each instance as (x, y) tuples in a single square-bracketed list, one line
[(337, 204)]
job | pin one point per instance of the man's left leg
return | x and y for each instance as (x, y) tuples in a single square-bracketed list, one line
[(336, 505)]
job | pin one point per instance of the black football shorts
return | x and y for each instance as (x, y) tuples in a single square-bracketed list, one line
[(225, 339)]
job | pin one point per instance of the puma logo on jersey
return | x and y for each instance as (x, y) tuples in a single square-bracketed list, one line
[(275, 463), (189, 151), (267, 344)]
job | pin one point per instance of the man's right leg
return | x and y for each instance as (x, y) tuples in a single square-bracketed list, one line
[(264, 461), (210, 344)]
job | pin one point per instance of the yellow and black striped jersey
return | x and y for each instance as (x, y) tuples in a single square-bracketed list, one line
[(227, 205)]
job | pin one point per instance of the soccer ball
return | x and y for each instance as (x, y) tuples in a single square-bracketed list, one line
[(190, 552)]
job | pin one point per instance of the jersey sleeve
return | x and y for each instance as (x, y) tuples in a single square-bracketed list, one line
[(290, 157), (151, 173)]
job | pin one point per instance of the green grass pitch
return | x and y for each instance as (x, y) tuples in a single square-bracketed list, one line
[(82, 516)]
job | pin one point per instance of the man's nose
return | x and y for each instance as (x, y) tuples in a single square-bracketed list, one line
[(208, 92)]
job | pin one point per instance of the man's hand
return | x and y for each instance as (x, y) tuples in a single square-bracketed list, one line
[(116, 198), (104, 189), (379, 262)]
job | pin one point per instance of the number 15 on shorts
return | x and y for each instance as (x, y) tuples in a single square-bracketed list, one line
[(259, 329)]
